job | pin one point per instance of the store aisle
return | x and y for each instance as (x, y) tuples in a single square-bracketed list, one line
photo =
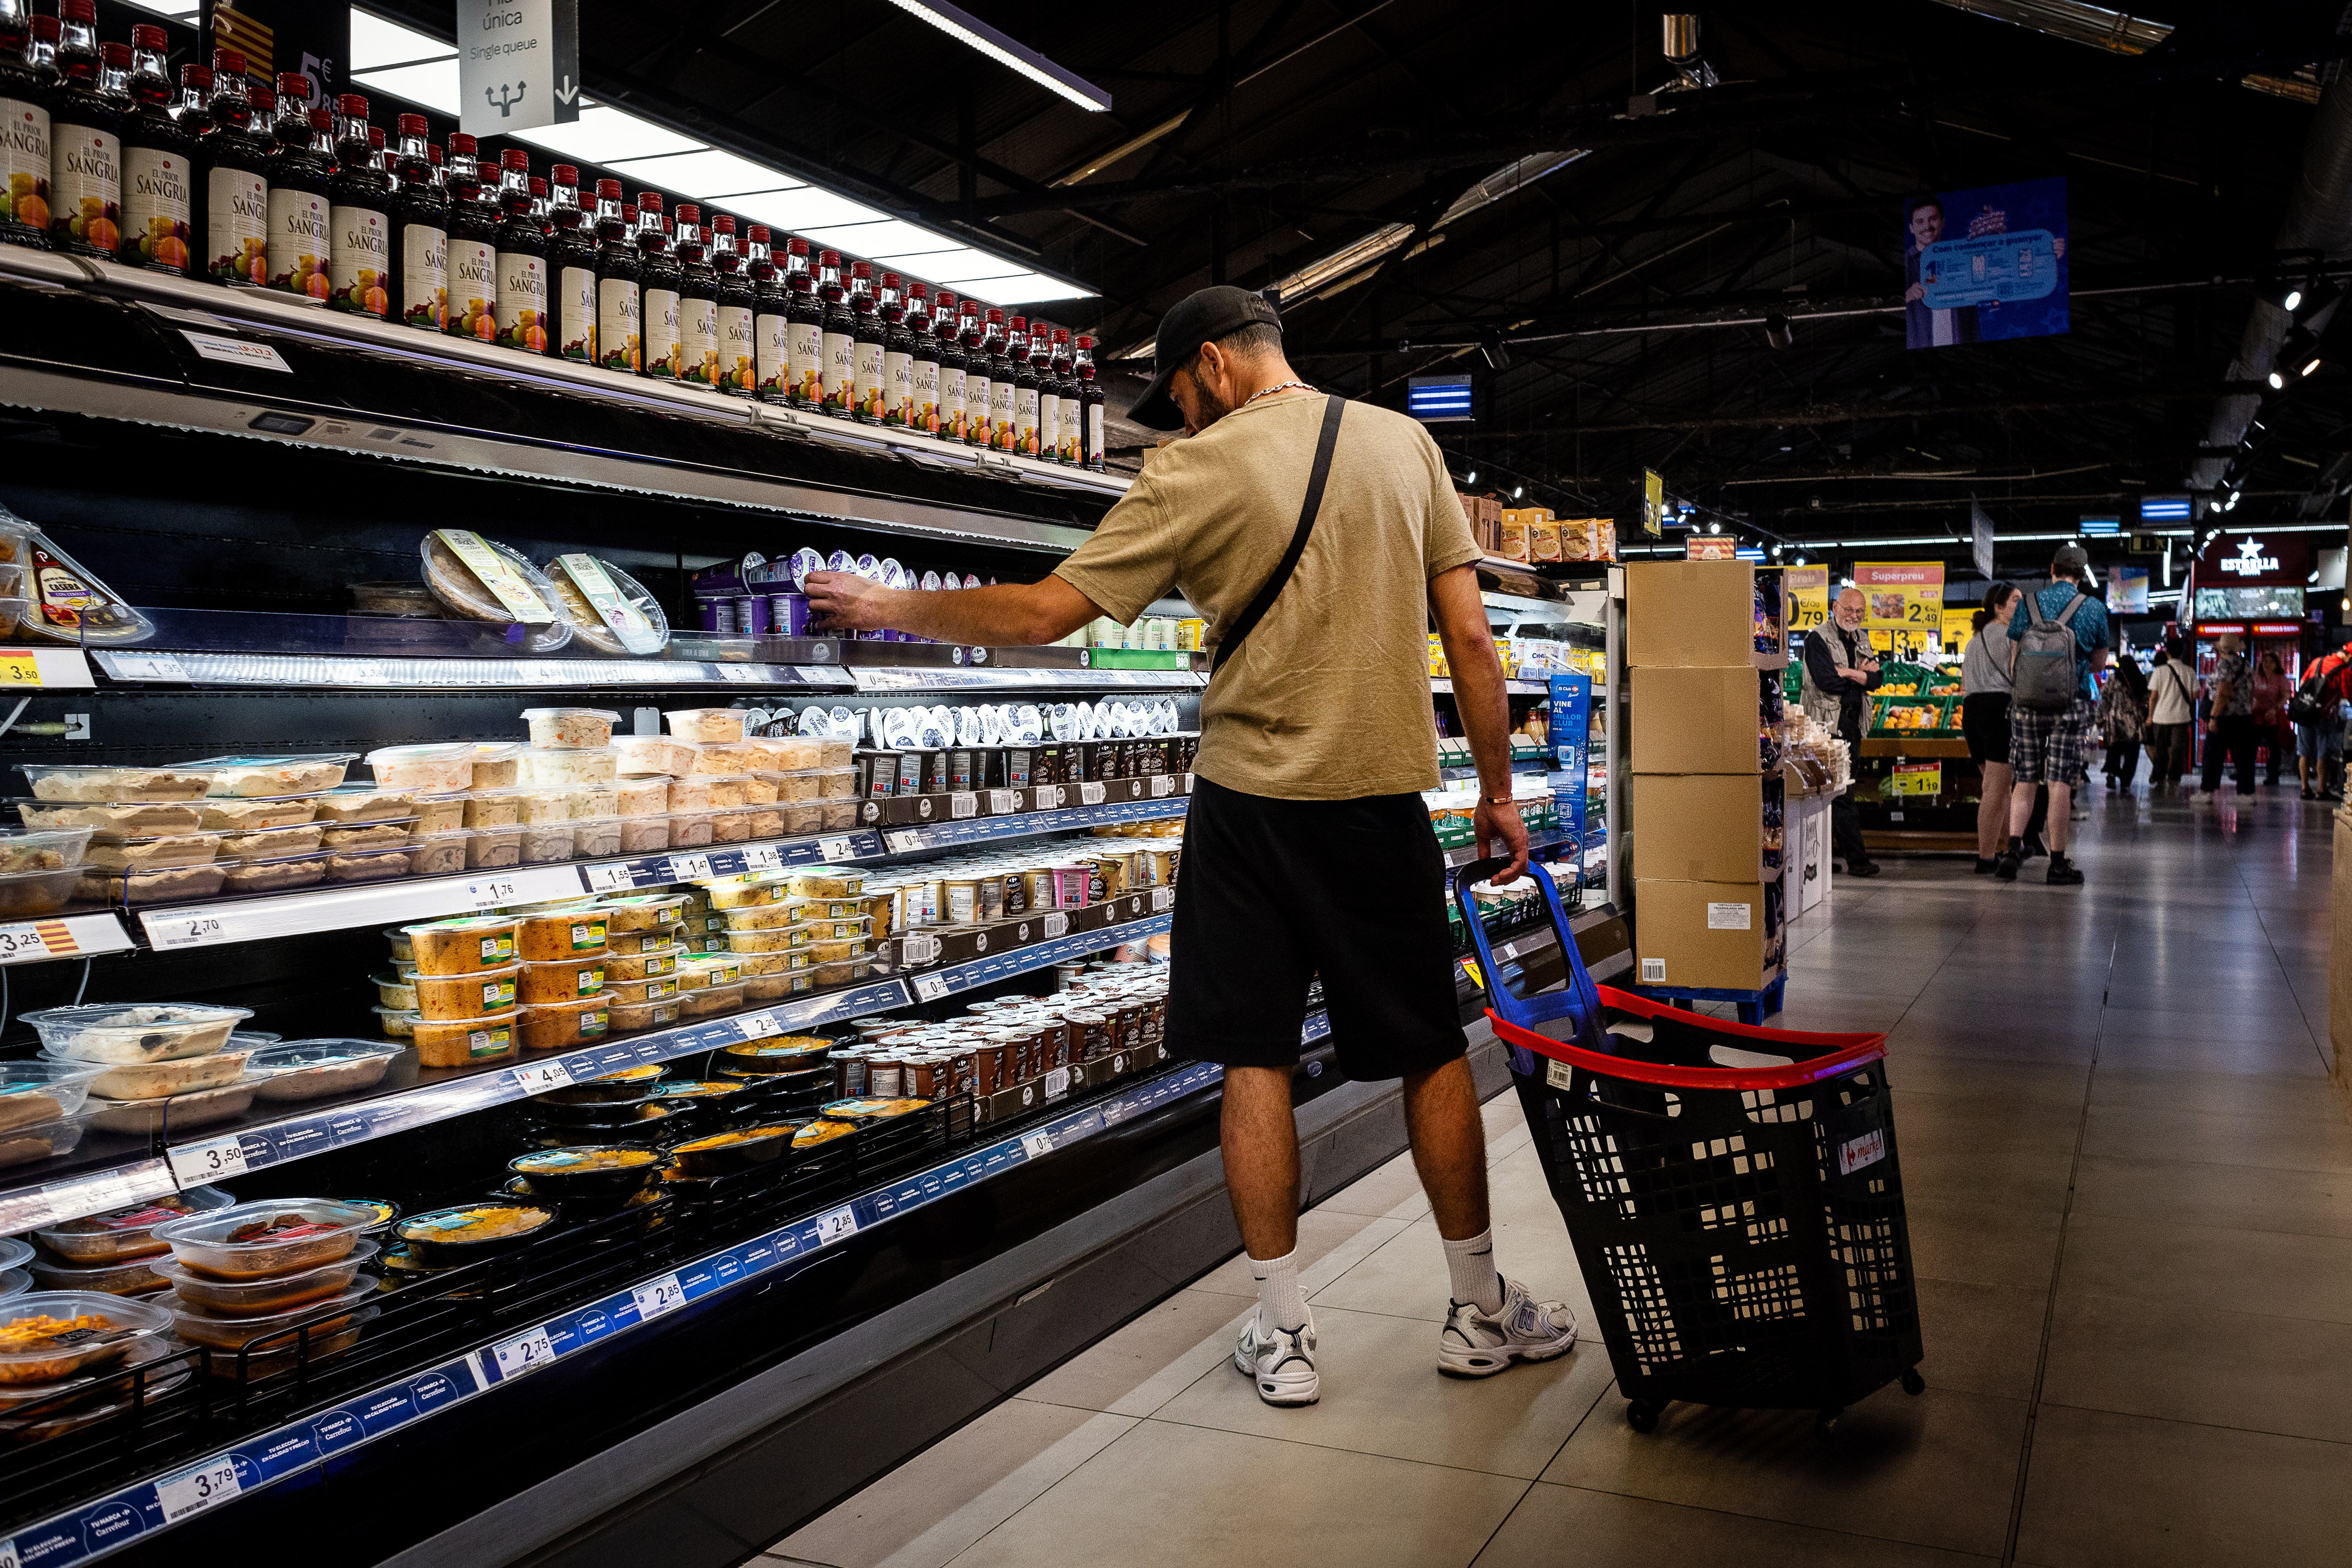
[(2130, 1189)]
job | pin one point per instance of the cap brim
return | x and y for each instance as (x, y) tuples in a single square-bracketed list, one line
[(1154, 409)]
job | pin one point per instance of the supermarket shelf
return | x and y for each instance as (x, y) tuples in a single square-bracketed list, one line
[(1160, 805), (278, 671), (1443, 686), (933, 984), (876, 654), (91, 1192), (1543, 841), (995, 679)]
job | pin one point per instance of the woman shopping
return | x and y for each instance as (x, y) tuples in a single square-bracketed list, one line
[(2123, 715), (2271, 688), (1985, 669), (2171, 717)]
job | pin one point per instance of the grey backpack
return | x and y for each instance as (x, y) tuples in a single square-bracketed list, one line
[(2045, 679)]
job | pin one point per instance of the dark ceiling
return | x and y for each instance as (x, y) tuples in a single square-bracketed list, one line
[(1627, 286)]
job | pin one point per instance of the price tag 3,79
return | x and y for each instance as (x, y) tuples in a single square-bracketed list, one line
[(194, 1165), (664, 1295), (524, 1353), (193, 1491)]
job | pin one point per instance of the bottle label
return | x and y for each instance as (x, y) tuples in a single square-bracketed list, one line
[(618, 344), (424, 276), (771, 360), (472, 290), (236, 226), (155, 196), (804, 363), (25, 164), (868, 396), (977, 406), (661, 333), (298, 242), (951, 401), (575, 321), (739, 353), (1024, 420), (840, 373), (1001, 429), (522, 301), (1094, 435), (1073, 414), (84, 187), (925, 381), (1049, 424), (358, 273), (700, 317), (898, 395), (588, 575)]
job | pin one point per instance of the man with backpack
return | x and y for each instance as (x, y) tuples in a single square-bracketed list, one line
[(2062, 637)]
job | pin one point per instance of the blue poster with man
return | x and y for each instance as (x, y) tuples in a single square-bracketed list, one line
[(1983, 263)]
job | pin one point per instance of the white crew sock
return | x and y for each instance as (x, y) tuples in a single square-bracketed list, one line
[(1471, 1261), (1280, 1301)]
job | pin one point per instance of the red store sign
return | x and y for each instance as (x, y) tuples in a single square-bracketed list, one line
[(2251, 558)]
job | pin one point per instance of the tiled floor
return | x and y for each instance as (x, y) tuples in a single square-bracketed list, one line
[(2130, 1188)]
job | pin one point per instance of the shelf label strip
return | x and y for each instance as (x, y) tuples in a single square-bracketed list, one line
[(62, 936), (380, 903)]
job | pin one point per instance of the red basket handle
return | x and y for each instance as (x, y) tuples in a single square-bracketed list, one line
[(1846, 1053)]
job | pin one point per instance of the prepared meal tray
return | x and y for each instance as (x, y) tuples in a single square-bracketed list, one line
[(559, 1026), (314, 1069), (48, 1336), (438, 854), (275, 873), (441, 813), (355, 804), (126, 1234), (154, 853), (176, 1076), (132, 1278), (102, 783), (440, 768), (38, 1091), (160, 885), (367, 865), (479, 993), (274, 1236), (179, 1112), (272, 777), (271, 843), (41, 1140), (480, 579), (457, 1042), (637, 915), (43, 849), (246, 816), (107, 820), (260, 1298), (134, 1031), (458, 946), (276, 1336), (571, 765), (611, 611), (383, 833)]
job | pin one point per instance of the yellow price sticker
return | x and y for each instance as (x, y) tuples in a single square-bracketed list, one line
[(19, 667)]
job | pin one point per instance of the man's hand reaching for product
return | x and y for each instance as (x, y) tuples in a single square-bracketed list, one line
[(845, 602), (1501, 824)]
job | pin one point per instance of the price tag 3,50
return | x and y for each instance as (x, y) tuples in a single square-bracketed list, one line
[(840, 1224), (524, 1353), (540, 1077), (664, 1295), (194, 1165), (193, 1491)]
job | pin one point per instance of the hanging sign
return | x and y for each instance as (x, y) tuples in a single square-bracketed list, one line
[(1653, 504), (518, 65), (1901, 594), (1805, 591), (1958, 625)]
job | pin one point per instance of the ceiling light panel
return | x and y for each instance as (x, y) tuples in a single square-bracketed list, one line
[(802, 209), (708, 174), (605, 134), (874, 238), (434, 85), (970, 31), (376, 43), (1029, 288)]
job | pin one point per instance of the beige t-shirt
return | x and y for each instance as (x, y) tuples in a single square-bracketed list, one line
[(1329, 697)]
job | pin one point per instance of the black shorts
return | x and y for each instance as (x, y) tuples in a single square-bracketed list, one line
[(1274, 892), (1984, 720)]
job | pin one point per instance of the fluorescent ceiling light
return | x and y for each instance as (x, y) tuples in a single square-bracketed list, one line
[(178, 10), (872, 238), (603, 134), (799, 209), (434, 85), (1031, 289), (709, 175), (376, 43), (972, 267), (970, 31)]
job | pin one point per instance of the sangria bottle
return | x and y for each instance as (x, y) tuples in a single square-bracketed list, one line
[(619, 274), (85, 141), (359, 217), (925, 414), (158, 162), (1090, 399), (473, 246), (522, 259), (420, 224), (697, 300), (297, 177), (1024, 388), (768, 319), (570, 268), (840, 364), (804, 329), (659, 271), (898, 379), (951, 350), (24, 131), (866, 391)]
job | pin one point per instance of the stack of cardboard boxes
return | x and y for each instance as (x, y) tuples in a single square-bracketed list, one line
[(1708, 794), (1485, 515)]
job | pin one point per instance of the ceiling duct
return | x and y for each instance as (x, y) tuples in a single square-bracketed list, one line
[(2118, 32)]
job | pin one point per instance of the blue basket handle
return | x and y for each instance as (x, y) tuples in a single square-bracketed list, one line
[(1580, 1001)]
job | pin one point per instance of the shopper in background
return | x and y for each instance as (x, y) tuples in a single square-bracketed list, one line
[(2123, 715), (2319, 744), (2046, 744), (2230, 716), (1841, 672), (1984, 715), (1306, 818), (2171, 719), (2271, 688)]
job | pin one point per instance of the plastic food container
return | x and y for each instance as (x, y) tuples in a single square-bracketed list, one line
[(560, 980), (544, 843), (643, 912), (497, 764), (730, 827), (723, 1154), (197, 1108), (633, 1017), (367, 865), (447, 1237), (548, 804), (44, 1140), (646, 796), (641, 755), (132, 1279), (494, 807), (127, 1234), (344, 808), (141, 1032), (561, 934), (271, 843), (771, 915), (841, 972), (628, 1085), (441, 813), (86, 781), (762, 789), (273, 1236), (485, 993), (773, 938), (559, 1026), (278, 1293), (458, 1042), (771, 987), (438, 854), (798, 783), (17, 1281), (646, 962), (706, 723), (105, 820), (438, 769), (231, 1333), (394, 833), (728, 758), (14, 1254), (591, 765), (755, 964), (162, 885), (147, 853), (643, 834), (400, 1023), (92, 1330), (597, 837), (30, 893), (834, 815), (837, 783), (43, 849), (490, 848), (570, 728), (313, 1069), (711, 1001), (37, 1092), (223, 815), (273, 777), (588, 1170), (691, 793), (466, 946), (727, 791)]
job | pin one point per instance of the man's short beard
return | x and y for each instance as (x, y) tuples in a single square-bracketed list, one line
[(1210, 408)]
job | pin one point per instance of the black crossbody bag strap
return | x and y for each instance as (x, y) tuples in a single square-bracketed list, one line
[(1247, 621)]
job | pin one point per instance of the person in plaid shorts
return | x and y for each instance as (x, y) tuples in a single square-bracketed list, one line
[(2047, 747)]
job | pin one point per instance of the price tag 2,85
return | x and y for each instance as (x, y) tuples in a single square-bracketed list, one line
[(840, 1224), (524, 1353), (194, 1165), (664, 1295), (193, 1491)]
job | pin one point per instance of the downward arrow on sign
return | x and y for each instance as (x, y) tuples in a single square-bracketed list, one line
[(567, 92)]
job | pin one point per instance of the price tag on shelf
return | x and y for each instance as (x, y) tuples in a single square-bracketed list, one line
[(26, 944), (664, 1295), (18, 667), (185, 930), (1093, 794), (687, 867), (763, 857), (538, 1077), (147, 667), (836, 849), (492, 891), (524, 1353), (610, 877), (8, 1558), (962, 804), (1000, 802), (217, 1160), (193, 1491), (930, 987), (903, 841), (741, 674), (1162, 783), (759, 1025), (1037, 1144), (841, 1224), (1057, 924), (1162, 899)]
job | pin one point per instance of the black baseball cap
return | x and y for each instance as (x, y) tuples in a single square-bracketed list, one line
[(1201, 317)]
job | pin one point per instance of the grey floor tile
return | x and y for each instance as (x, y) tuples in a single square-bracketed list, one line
[(1143, 1365), (2176, 1361), (2285, 1099), (2233, 1270), (2000, 1082), (1555, 1525), (2290, 1143), (1392, 1191), (1982, 1244), (2279, 1052), (2225, 1197), (1331, 1241), (1979, 1339)]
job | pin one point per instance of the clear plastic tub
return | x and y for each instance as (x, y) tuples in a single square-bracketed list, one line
[(152, 853), (497, 764), (730, 827), (771, 915), (160, 885), (441, 813), (835, 815), (639, 913), (647, 755), (14, 1254), (494, 807), (489, 849), (435, 769), (798, 783), (841, 972), (397, 990), (652, 988), (711, 1001), (94, 1331), (17, 1281), (313, 1069), (223, 1331), (43, 1140), (356, 803), (117, 1033), (273, 777), (792, 752), (274, 1236), (762, 789), (460, 1042), (91, 782), (766, 939), (241, 816), (367, 865), (465, 945), (479, 994), (837, 783), (197, 1108), (36, 1091), (692, 793), (30, 893), (393, 833), (438, 854), (706, 723), (559, 1026), (43, 849), (560, 980), (107, 820), (276, 1294), (688, 829), (547, 804), (643, 835), (271, 843), (134, 1278), (400, 1023), (545, 843), (728, 757), (727, 790), (125, 1233), (570, 728), (593, 838), (644, 964), (573, 766)]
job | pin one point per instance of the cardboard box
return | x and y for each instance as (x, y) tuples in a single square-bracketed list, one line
[(1695, 720), (1485, 515), (1707, 935), (1683, 614), (1698, 828)]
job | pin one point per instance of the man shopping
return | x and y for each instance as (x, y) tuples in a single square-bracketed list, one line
[(1318, 539), (1841, 672), (2050, 712)]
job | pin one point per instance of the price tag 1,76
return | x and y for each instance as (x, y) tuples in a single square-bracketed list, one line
[(491, 891), (524, 1353), (193, 1491), (194, 1165), (664, 1295)]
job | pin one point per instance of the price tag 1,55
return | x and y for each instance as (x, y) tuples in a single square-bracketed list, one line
[(664, 1295), (193, 1491), (841, 1224), (524, 1353), (194, 1165), (540, 1077), (610, 877)]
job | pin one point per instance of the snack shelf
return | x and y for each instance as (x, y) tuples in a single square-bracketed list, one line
[(931, 985)]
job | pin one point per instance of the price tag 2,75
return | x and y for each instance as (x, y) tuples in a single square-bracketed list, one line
[(194, 1165), (664, 1295), (524, 1353), (193, 1491), (837, 1225)]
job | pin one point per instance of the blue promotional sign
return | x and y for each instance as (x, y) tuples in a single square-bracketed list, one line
[(1571, 737), (1985, 264)]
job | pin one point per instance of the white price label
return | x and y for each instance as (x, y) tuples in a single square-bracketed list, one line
[(21, 945), (664, 1295), (185, 930), (759, 1025), (147, 667), (906, 839), (930, 987), (1002, 801), (1093, 794), (540, 1077), (8, 1558), (1163, 783), (1037, 1144), (1057, 1083), (834, 1226), (193, 1491), (687, 867), (1057, 924), (834, 849), (196, 1164), (491, 891), (610, 877), (1162, 899), (963, 803), (741, 674), (524, 1353), (763, 857)]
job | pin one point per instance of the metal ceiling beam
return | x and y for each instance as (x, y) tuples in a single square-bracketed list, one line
[(1850, 413)]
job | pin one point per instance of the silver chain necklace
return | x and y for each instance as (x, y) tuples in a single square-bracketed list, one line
[(1277, 386)]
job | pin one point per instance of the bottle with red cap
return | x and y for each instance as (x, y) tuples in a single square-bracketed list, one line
[(839, 369), (192, 111), (24, 132), (359, 217), (1024, 387), (1090, 398), (473, 246), (158, 164), (768, 359), (946, 329), (739, 354), (420, 224), (572, 266), (237, 192), (298, 195), (1003, 391), (85, 141), (804, 329), (898, 356), (979, 375), (925, 368), (661, 272), (617, 272), (1066, 391), (866, 389), (522, 259), (1049, 392), (697, 300)]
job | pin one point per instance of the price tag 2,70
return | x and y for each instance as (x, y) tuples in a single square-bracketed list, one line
[(539, 1076), (524, 1353), (193, 1491), (194, 1165), (664, 1295), (840, 1224)]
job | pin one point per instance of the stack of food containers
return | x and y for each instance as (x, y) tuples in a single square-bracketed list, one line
[(252, 1274), (110, 1253), (125, 1068), (62, 1354)]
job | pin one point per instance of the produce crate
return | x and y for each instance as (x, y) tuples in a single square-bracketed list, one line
[(1937, 715)]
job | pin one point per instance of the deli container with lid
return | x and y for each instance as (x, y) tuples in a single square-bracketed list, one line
[(465, 945), (98, 782), (570, 728), (472, 1231), (442, 813), (195, 1108), (273, 777), (132, 1279), (14, 1254), (439, 768), (355, 804), (706, 723), (367, 865), (43, 848), (105, 819), (158, 885), (310, 1069), (497, 764), (41, 1090), (571, 765), (46, 1336), (125, 1233), (274, 1236), (642, 756), (483, 993), (271, 1294), (150, 852), (281, 1336), (134, 1031), (40, 1141), (587, 1170), (457, 1042), (218, 814), (559, 1025)]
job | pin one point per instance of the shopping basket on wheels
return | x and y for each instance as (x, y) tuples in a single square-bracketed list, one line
[(1732, 1193)]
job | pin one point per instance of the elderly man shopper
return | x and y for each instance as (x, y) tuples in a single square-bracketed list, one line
[(1841, 672)]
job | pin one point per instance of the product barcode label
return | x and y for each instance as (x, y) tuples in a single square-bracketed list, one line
[(492, 891), (1093, 794), (540, 1077), (834, 849), (741, 674), (524, 1353), (834, 1226), (610, 877), (763, 857), (1003, 801), (759, 1025), (1162, 783), (687, 867), (1057, 924), (664, 1295), (194, 1165), (1559, 1075), (1037, 1144), (1049, 797), (930, 987), (193, 1491), (1162, 899), (1654, 971), (963, 803), (1057, 1083)]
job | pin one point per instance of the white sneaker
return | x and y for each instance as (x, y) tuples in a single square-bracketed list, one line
[(1280, 1361), (1473, 1344)]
